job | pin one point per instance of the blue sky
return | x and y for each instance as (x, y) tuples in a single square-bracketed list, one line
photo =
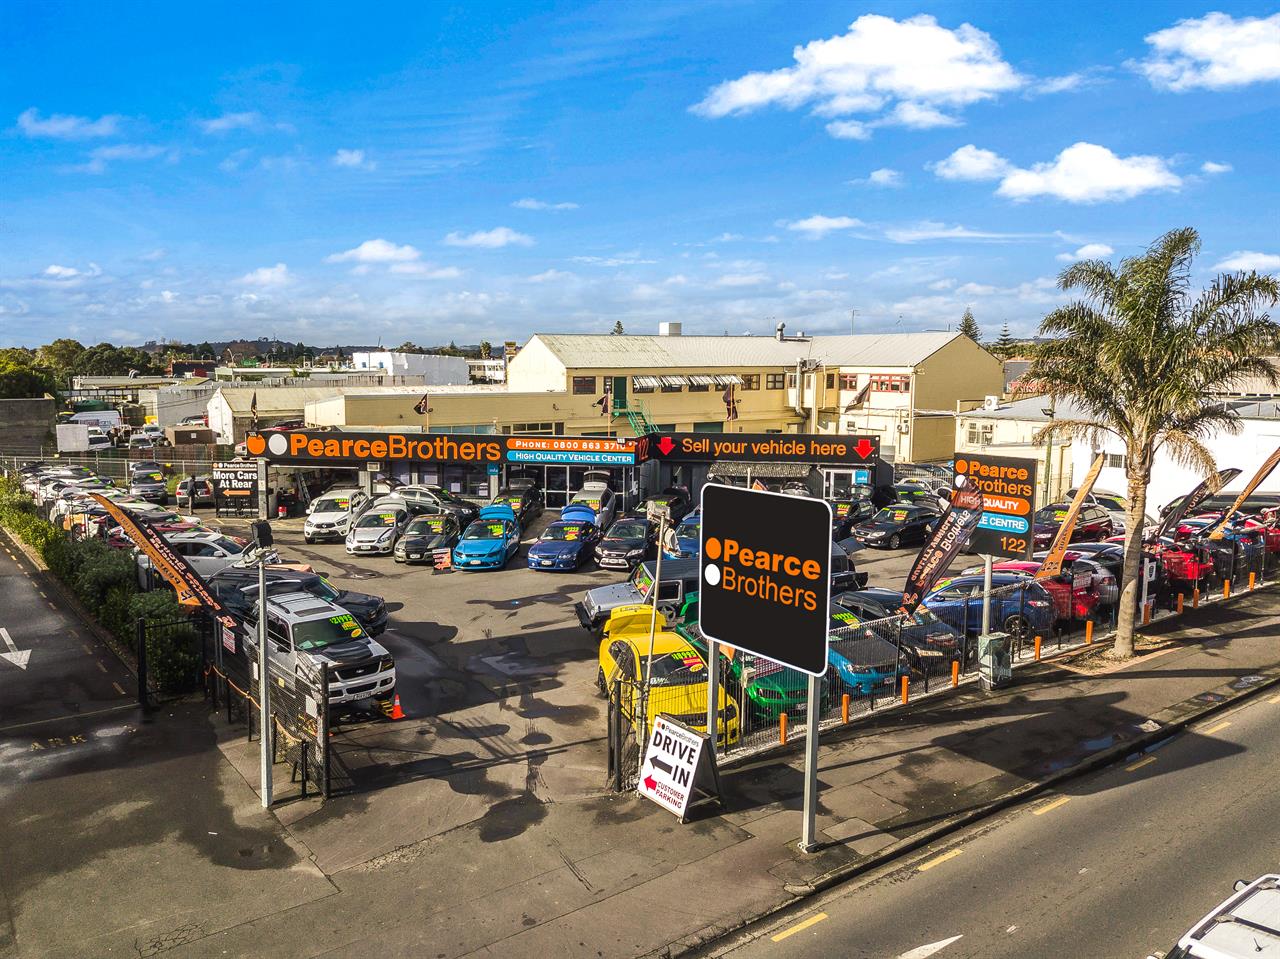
[(465, 171)]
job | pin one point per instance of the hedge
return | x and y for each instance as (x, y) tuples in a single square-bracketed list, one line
[(105, 580)]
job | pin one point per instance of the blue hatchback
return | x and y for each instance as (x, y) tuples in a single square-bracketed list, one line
[(688, 536), (489, 541), (1019, 606), (567, 543)]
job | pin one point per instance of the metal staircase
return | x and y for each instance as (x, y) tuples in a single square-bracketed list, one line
[(636, 418)]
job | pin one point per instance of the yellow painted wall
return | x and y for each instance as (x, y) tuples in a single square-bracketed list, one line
[(961, 370)]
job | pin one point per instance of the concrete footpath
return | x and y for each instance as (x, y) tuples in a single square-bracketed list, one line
[(537, 873)]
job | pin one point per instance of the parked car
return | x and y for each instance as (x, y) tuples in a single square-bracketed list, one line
[(426, 534), (676, 499), (923, 631), (1019, 606), (1093, 524), (567, 543), (865, 664), (140, 442), (236, 587), (329, 516), (489, 541), (149, 485), (847, 513), (600, 499), (525, 501), (439, 496), (208, 551), (377, 530), (898, 525), (203, 489), (1083, 590), (1244, 925), (679, 579), (628, 541), (98, 440), (304, 631), (688, 538)]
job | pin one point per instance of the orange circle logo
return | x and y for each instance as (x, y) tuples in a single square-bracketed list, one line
[(713, 548), (962, 466), (256, 445)]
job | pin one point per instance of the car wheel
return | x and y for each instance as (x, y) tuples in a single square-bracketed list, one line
[(895, 541), (1016, 625), (309, 540)]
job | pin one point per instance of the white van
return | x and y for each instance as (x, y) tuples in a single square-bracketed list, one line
[(103, 418)]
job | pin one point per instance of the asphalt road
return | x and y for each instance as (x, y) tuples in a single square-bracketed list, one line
[(1119, 864)]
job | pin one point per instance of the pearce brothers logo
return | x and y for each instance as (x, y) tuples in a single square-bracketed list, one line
[(754, 572)]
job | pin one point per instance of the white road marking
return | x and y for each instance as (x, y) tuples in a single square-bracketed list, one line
[(19, 657), (923, 952)]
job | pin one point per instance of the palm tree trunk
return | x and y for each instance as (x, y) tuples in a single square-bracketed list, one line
[(1130, 582)]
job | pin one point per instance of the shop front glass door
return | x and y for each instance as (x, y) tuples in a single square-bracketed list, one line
[(556, 486)]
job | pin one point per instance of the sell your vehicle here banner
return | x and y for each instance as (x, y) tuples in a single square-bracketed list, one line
[(1219, 528), (948, 538), (172, 565), (1210, 485), (1052, 564)]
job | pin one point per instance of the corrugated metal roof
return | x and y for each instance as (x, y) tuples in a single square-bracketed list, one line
[(602, 351), (280, 399)]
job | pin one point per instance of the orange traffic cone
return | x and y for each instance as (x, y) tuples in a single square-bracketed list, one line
[(396, 711)]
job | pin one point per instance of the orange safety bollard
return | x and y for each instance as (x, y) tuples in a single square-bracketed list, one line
[(1037, 649), (1195, 597), (1088, 631), (1226, 589), (1146, 614), (1179, 604), (844, 708), (1253, 578), (955, 672), (906, 682), (782, 728)]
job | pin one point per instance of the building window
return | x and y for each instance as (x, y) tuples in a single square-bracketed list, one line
[(641, 389), (848, 381), (541, 429), (1116, 461), (698, 388), (891, 382), (583, 385), (671, 389), (831, 381), (981, 434), (750, 381), (791, 381), (775, 381)]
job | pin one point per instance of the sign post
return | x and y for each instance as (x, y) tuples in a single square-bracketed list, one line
[(661, 514), (765, 588)]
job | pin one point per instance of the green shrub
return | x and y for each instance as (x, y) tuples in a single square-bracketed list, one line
[(173, 645)]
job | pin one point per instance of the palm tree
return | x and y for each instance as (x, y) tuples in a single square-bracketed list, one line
[(1142, 358)]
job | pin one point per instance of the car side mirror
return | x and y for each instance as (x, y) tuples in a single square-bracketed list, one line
[(282, 647), (1240, 885)]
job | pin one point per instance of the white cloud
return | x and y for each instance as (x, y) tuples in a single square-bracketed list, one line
[(375, 251), (817, 226), (489, 239), (551, 276), (1216, 52), (62, 126), (742, 279), (970, 163), (267, 276), (932, 230), (353, 159), (943, 284), (621, 259), (151, 256), (234, 160), (1090, 251), (915, 64), (976, 289), (58, 272), (1212, 168), (529, 203), (835, 276), (1088, 173), (425, 271), (1249, 261), (676, 279), (101, 156), (884, 177), (231, 121), (1082, 173)]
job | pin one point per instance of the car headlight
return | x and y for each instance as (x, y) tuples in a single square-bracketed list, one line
[(634, 553), (387, 663), (385, 535)]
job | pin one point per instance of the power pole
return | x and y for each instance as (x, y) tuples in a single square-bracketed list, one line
[(852, 316)]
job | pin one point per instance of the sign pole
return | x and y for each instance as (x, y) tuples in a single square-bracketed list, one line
[(264, 686), (713, 693), (986, 594), (807, 841), (653, 628)]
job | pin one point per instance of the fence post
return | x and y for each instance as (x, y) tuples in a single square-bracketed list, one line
[(141, 632), (305, 744), (844, 708), (964, 631), (955, 672), (322, 727), (615, 718)]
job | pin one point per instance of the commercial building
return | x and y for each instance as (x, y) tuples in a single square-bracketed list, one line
[(1009, 429), (434, 368)]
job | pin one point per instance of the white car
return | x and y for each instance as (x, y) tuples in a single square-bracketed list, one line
[(600, 499), (98, 440), (207, 551), (330, 515), (1245, 925)]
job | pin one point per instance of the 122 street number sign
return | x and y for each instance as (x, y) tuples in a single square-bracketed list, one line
[(1008, 488), (766, 575)]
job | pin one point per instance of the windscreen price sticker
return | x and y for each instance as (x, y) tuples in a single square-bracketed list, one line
[(766, 574), (1008, 487)]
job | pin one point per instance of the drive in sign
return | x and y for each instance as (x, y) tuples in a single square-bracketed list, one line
[(766, 574)]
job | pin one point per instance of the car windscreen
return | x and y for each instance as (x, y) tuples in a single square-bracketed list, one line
[(680, 668), (483, 529), (1050, 515), (893, 514), (565, 532), (376, 521), (925, 617), (332, 504), (588, 500), (642, 580), (628, 531), (319, 633), (432, 525), (690, 528), (226, 544)]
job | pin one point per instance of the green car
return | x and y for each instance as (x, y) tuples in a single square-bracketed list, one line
[(771, 690)]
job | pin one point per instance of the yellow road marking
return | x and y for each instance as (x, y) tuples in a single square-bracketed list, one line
[(85, 647), (54, 608), (119, 689), (800, 926), (926, 866), (1047, 807), (101, 667), (1274, 699), (1146, 761), (1217, 728)]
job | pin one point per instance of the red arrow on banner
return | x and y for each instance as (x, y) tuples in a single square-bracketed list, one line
[(650, 783), (863, 448), (666, 444)]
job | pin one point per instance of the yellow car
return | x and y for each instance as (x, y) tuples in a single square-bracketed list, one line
[(678, 680)]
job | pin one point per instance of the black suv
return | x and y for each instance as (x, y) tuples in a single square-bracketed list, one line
[(237, 589)]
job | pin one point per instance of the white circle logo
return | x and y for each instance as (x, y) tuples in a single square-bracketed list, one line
[(712, 574), (278, 443)]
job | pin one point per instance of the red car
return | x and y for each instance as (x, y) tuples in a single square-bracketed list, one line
[(1082, 589), (1093, 524)]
